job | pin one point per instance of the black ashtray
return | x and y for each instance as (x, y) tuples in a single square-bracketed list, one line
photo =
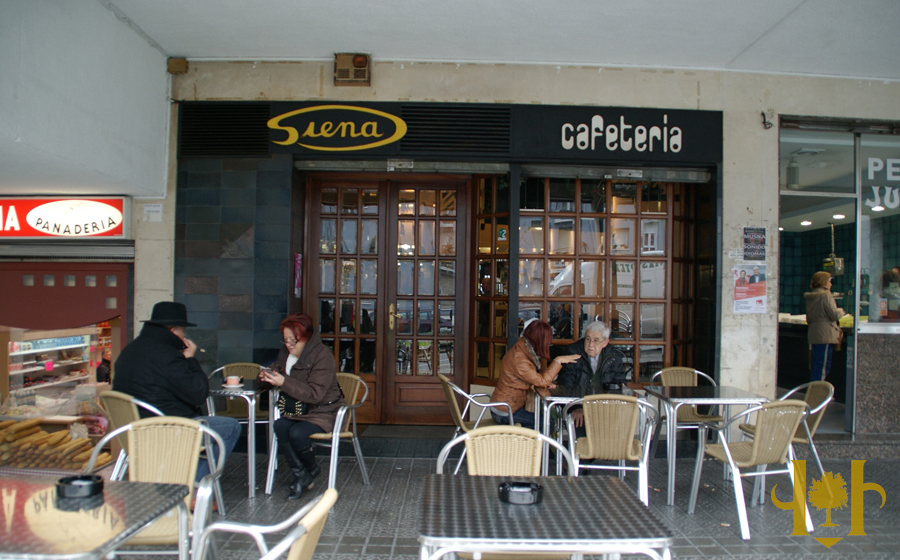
[(82, 486), (521, 493), (77, 504)]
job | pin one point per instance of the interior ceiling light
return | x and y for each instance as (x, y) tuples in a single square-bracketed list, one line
[(805, 223), (839, 216), (877, 208), (780, 229), (793, 175)]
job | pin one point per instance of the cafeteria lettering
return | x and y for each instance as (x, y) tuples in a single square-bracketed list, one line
[(622, 136), (74, 229), (12, 220)]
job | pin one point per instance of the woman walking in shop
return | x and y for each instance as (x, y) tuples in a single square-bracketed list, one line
[(310, 397), (521, 369), (822, 315)]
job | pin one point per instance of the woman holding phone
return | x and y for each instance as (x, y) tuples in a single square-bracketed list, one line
[(310, 397)]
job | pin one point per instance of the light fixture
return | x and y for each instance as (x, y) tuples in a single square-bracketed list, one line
[(780, 228), (805, 223), (793, 175), (878, 208), (839, 216)]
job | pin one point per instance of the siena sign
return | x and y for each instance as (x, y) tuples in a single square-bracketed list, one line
[(337, 128), (43, 217)]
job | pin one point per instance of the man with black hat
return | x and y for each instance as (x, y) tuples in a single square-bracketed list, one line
[(159, 368)]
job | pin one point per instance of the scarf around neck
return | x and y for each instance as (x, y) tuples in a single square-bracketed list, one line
[(532, 354)]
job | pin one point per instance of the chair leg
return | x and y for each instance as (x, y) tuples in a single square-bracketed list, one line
[(120, 467), (809, 524), (460, 462), (211, 461), (359, 459), (643, 486), (656, 438), (815, 453), (759, 487), (333, 462), (273, 464), (622, 470), (738, 485), (698, 470)]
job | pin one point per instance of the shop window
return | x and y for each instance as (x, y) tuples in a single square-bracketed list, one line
[(111, 303), (49, 280), (111, 281), (28, 280), (90, 281), (69, 280)]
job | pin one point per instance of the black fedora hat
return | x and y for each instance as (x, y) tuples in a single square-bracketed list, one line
[(169, 314)]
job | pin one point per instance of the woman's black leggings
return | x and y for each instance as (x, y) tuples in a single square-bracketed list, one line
[(296, 433)]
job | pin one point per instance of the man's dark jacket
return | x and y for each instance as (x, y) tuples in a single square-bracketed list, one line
[(153, 369), (579, 373)]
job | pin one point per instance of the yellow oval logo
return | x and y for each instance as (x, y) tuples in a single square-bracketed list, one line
[(329, 134)]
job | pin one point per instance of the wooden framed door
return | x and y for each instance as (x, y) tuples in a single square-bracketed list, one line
[(388, 267)]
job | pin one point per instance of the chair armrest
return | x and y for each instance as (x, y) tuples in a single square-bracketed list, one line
[(284, 544)]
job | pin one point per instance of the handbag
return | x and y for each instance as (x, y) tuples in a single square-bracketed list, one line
[(840, 339), (289, 407)]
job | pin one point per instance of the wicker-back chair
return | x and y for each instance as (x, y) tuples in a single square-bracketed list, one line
[(504, 451)]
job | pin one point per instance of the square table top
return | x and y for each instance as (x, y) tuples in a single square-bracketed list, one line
[(35, 525), (585, 510), (247, 387), (705, 394)]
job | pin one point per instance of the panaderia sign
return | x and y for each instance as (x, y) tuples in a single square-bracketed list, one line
[(62, 217), (530, 133)]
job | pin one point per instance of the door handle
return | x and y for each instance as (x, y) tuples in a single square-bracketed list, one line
[(392, 316)]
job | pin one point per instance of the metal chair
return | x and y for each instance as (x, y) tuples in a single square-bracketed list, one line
[(121, 410), (307, 523), (164, 449), (687, 417), (776, 424), (818, 395), (237, 408), (346, 419), (459, 418), (610, 422), (504, 451)]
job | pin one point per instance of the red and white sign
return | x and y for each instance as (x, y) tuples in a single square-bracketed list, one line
[(62, 217)]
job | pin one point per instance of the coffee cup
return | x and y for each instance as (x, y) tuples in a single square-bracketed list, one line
[(233, 380)]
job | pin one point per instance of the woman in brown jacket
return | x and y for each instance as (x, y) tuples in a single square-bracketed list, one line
[(520, 370), (305, 371), (822, 315)]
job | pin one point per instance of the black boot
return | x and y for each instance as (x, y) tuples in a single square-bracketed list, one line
[(302, 480), (308, 458)]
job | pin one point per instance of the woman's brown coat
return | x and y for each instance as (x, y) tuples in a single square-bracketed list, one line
[(821, 316), (312, 380), (518, 374)]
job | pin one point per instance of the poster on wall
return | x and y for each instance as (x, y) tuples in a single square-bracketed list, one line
[(754, 243), (749, 288), (298, 274)]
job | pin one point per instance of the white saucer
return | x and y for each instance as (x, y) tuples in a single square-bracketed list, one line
[(227, 386)]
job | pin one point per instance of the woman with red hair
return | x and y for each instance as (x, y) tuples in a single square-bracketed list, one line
[(521, 369), (305, 374)]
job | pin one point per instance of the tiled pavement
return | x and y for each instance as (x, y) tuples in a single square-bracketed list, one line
[(379, 521)]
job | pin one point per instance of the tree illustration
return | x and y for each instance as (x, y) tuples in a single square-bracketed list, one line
[(827, 494)]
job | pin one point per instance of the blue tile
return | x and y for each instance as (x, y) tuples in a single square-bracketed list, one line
[(235, 339), (235, 321), (273, 197), (273, 214), (275, 180), (264, 268), (236, 267), (235, 285), (231, 355), (201, 267), (203, 214), (271, 286), (272, 250), (238, 197), (278, 162), (180, 214), (204, 320), (273, 232), (201, 197), (201, 232), (201, 302), (201, 165), (238, 214), (270, 304), (268, 323), (239, 179)]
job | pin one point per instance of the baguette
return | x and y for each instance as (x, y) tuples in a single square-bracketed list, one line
[(6, 424), (24, 424), (75, 446), (19, 434), (82, 457), (57, 437), (28, 439)]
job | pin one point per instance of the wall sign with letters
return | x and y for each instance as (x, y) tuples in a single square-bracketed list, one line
[(62, 217)]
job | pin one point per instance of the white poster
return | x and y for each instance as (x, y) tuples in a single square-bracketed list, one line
[(749, 288)]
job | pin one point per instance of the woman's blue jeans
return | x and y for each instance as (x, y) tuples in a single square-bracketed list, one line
[(521, 417), (821, 362)]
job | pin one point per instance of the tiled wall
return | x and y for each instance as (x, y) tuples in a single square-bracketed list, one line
[(801, 256), (233, 260)]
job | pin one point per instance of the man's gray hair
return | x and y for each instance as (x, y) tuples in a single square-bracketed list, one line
[(598, 327)]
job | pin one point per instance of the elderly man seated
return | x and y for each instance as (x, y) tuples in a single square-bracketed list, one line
[(600, 366)]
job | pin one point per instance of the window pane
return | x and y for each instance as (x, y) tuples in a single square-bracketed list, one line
[(561, 277), (502, 236), (448, 203), (485, 236), (562, 195), (590, 312), (623, 198), (329, 201), (501, 285), (346, 357), (651, 361), (111, 303), (484, 277), (448, 239), (503, 194), (367, 322), (405, 272), (404, 322), (348, 237), (426, 237), (653, 237), (592, 236), (529, 310), (446, 317), (425, 358), (531, 235), (69, 280), (652, 325), (368, 276), (620, 320), (482, 360), (819, 161), (406, 237), (622, 238), (49, 280), (370, 201), (485, 196), (367, 356), (501, 316), (348, 316), (349, 201), (445, 357), (653, 198), (328, 236), (403, 362), (531, 196), (482, 318), (426, 278), (653, 279), (326, 316), (427, 203), (593, 195), (348, 276), (560, 319), (369, 237), (326, 278), (531, 278), (89, 281), (447, 280), (407, 203), (562, 236), (591, 273), (426, 317), (621, 283)]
